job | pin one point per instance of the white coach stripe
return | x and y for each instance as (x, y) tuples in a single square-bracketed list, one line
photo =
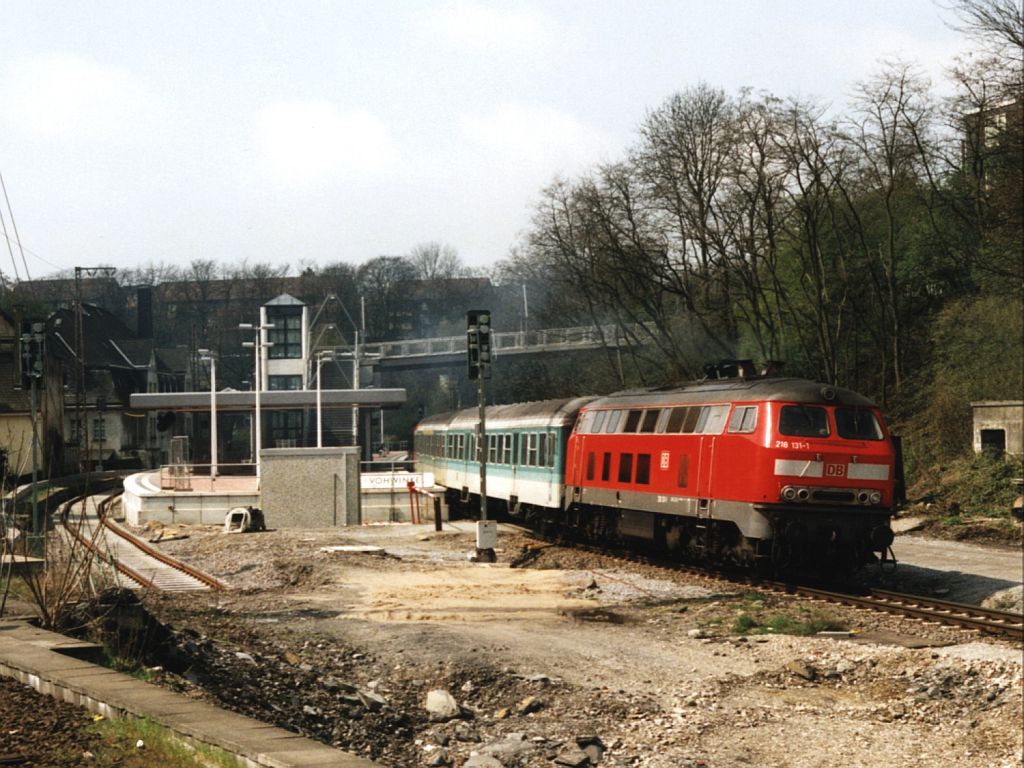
[(867, 471), (793, 468)]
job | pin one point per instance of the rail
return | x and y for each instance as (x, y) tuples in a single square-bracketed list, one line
[(169, 574)]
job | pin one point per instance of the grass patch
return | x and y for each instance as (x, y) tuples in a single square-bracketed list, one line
[(802, 622), (160, 747)]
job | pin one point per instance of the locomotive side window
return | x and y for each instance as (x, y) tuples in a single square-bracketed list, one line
[(690, 423), (662, 420), (675, 419), (625, 467), (643, 468), (599, 421), (613, 421), (857, 424), (606, 467), (712, 419), (632, 420), (803, 421), (744, 419), (684, 471), (650, 419), (590, 466)]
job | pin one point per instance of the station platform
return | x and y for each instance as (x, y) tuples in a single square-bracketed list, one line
[(57, 665)]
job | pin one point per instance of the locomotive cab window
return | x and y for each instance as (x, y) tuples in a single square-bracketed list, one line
[(803, 421), (744, 419), (857, 424)]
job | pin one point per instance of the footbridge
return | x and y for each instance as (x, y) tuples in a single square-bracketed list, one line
[(451, 350)]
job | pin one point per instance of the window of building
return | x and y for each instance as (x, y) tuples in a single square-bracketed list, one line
[(286, 335), (280, 383), (993, 441), (285, 428)]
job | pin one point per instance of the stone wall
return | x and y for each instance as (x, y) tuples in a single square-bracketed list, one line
[(310, 487)]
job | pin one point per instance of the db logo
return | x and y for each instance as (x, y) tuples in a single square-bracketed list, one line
[(664, 459), (835, 470)]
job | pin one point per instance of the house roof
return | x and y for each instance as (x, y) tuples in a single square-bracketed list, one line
[(285, 300)]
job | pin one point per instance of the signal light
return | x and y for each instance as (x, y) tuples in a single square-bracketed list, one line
[(478, 343)]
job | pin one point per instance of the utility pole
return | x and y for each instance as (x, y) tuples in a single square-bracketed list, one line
[(83, 432), (33, 356), (478, 346)]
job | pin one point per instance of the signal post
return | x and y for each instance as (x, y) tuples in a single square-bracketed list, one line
[(478, 346)]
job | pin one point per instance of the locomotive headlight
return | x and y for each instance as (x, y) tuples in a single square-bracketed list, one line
[(875, 497), (789, 493)]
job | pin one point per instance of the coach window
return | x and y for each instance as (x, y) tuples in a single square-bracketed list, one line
[(803, 421), (643, 468), (552, 449), (632, 421), (606, 467), (492, 449), (529, 442), (650, 419), (506, 453), (590, 466), (625, 467), (599, 420), (744, 419)]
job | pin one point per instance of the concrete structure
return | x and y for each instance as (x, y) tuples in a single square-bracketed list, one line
[(311, 487), (999, 427), (202, 500), (63, 668)]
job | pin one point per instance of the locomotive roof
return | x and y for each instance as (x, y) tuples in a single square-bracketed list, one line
[(538, 413), (737, 390)]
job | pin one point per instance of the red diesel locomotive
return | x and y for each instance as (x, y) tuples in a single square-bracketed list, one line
[(749, 469), (754, 470)]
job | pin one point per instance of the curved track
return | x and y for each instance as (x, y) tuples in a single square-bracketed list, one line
[(1003, 624), (144, 566)]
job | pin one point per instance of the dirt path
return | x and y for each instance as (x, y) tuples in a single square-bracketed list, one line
[(574, 651)]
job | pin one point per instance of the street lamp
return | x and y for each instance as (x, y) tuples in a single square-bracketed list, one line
[(207, 356), (320, 357), (258, 346)]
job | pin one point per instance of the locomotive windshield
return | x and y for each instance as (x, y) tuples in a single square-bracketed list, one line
[(803, 421), (857, 424)]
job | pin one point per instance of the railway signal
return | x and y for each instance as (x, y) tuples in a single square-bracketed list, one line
[(478, 346)]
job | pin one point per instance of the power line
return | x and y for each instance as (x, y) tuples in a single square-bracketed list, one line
[(14, 226)]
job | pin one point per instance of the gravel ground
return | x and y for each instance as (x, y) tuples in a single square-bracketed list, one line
[(36, 730), (569, 659)]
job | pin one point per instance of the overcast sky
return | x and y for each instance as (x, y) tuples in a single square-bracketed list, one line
[(314, 132)]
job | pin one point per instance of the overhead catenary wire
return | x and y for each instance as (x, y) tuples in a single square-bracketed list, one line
[(14, 226)]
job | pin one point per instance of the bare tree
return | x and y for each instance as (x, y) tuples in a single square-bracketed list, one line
[(434, 261)]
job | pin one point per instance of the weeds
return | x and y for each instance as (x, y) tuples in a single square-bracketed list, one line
[(160, 747)]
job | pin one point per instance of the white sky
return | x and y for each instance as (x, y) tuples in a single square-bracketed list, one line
[(313, 132)]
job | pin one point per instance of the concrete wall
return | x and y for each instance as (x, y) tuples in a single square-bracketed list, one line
[(310, 487), (144, 500), (1005, 415)]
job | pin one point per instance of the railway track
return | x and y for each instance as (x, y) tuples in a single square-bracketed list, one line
[(1004, 624), (142, 565)]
